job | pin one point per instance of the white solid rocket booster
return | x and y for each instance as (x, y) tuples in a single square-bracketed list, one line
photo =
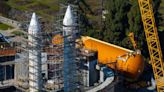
[(34, 55), (69, 50)]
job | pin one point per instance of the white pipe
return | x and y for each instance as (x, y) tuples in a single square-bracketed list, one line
[(107, 82)]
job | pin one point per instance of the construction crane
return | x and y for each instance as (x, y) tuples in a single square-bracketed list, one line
[(153, 43)]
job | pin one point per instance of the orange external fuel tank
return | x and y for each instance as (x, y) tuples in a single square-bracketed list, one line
[(125, 61)]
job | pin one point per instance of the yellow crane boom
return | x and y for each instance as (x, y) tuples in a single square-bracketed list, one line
[(153, 43), (131, 36)]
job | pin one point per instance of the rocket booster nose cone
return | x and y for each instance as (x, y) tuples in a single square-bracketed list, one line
[(34, 25), (68, 18)]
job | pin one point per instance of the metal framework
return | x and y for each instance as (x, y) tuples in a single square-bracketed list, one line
[(131, 36), (153, 43)]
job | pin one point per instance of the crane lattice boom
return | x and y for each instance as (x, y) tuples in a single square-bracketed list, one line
[(152, 38)]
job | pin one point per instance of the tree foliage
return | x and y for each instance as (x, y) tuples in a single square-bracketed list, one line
[(136, 26), (158, 18), (4, 8), (116, 21), (124, 17)]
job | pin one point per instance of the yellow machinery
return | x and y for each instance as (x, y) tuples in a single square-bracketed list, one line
[(152, 41), (131, 36), (128, 62), (152, 38)]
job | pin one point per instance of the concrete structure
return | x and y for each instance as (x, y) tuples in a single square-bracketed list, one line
[(44, 65), (88, 68), (95, 77), (34, 55), (69, 50), (10, 22), (54, 64), (7, 57)]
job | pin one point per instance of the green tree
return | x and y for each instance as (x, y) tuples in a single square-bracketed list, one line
[(158, 17), (135, 24), (4, 8), (116, 21)]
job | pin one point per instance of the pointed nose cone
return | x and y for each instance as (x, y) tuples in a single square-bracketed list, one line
[(68, 18), (34, 26)]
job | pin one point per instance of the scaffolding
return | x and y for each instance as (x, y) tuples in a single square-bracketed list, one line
[(52, 57), (56, 67), (52, 62), (7, 56)]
